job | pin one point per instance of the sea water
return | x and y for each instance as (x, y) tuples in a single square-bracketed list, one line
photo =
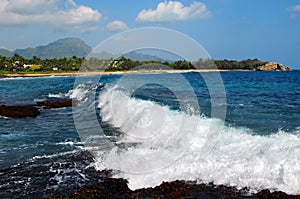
[(163, 129)]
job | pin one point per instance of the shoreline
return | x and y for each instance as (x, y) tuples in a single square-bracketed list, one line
[(79, 73), (76, 73)]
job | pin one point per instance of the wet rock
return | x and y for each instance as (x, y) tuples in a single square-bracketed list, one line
[(109, 188), (117, 188), (71, 176), (19, 111), (23, 111), (57, 104), (59, 175), (266, 194)]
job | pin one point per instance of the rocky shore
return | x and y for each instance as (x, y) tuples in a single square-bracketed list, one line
[(72, 177), (273, 66), (117, 188)]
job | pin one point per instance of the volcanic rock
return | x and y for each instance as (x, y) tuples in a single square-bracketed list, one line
[(117, 188), (19, 111), (57, 104)]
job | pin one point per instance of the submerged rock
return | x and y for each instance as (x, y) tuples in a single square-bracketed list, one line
[(19, 111)]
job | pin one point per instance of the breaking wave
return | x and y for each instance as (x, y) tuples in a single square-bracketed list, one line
[(159, 144)]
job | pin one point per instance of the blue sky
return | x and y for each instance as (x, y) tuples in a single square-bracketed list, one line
[(228, 29)]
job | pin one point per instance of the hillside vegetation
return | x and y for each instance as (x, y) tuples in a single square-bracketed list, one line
[(18, 63), (68, 48)]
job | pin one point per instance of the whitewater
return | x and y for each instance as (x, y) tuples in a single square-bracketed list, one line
[(152, 133), (169, 145)]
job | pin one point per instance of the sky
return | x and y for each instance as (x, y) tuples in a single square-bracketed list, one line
[(228, 29)]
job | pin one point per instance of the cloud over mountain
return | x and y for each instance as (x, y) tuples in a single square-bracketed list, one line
[(61, 14), (117, 25)]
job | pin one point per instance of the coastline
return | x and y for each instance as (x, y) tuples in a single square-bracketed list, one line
[(76, 73), (43, 171)]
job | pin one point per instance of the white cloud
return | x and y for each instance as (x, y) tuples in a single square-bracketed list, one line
[(173, 11), (117, 25), (295, 8), (62, 14), (294, 11)]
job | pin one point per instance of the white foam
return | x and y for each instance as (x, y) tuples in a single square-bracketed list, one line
[(53, 155), (28, 77), (12, 78), (61, 95), (208, 151), (81, 91), (4, 117)]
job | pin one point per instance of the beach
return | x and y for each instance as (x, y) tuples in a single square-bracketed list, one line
[(110, 73)]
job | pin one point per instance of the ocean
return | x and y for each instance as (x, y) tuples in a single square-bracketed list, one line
[(234, 128)]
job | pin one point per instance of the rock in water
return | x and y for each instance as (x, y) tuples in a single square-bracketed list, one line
[(57, 104), (19, 111), (272, 66), (31, 110)]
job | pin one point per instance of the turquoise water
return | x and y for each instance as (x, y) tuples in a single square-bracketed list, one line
[(262, 109)]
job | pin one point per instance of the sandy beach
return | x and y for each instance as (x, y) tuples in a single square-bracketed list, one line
[(75, 73)]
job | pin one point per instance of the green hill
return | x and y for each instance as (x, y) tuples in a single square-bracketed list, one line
[(5, 53), (142, 57), (61, 48)]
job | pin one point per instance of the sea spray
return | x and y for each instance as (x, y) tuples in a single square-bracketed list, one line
[(239, 157)]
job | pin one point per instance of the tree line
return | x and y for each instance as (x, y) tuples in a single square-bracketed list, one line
[(18, 63)]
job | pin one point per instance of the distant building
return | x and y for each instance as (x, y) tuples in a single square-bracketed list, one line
[(27, 66), (17, 63)]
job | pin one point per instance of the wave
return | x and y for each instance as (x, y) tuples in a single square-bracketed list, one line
[(4, 117), (159, 144), (29, 77), (11, 78), (53, 155), (61, 95), (79, 93)]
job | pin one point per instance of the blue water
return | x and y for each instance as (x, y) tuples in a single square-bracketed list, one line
[(262, 111), (261, 101)]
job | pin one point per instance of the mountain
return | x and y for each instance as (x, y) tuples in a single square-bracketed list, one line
[(6, 53), (142, 57), (74, 47), (133, 55), (61, 48), (102, 55)]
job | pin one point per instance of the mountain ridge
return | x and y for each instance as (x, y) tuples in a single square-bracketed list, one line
[(67, 47)]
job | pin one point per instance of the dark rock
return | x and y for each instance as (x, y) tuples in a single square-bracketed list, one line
[(266, 194), (19, 111), (107, 189), (59, 175), (57, 104), (117, 188), (31, 110)]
